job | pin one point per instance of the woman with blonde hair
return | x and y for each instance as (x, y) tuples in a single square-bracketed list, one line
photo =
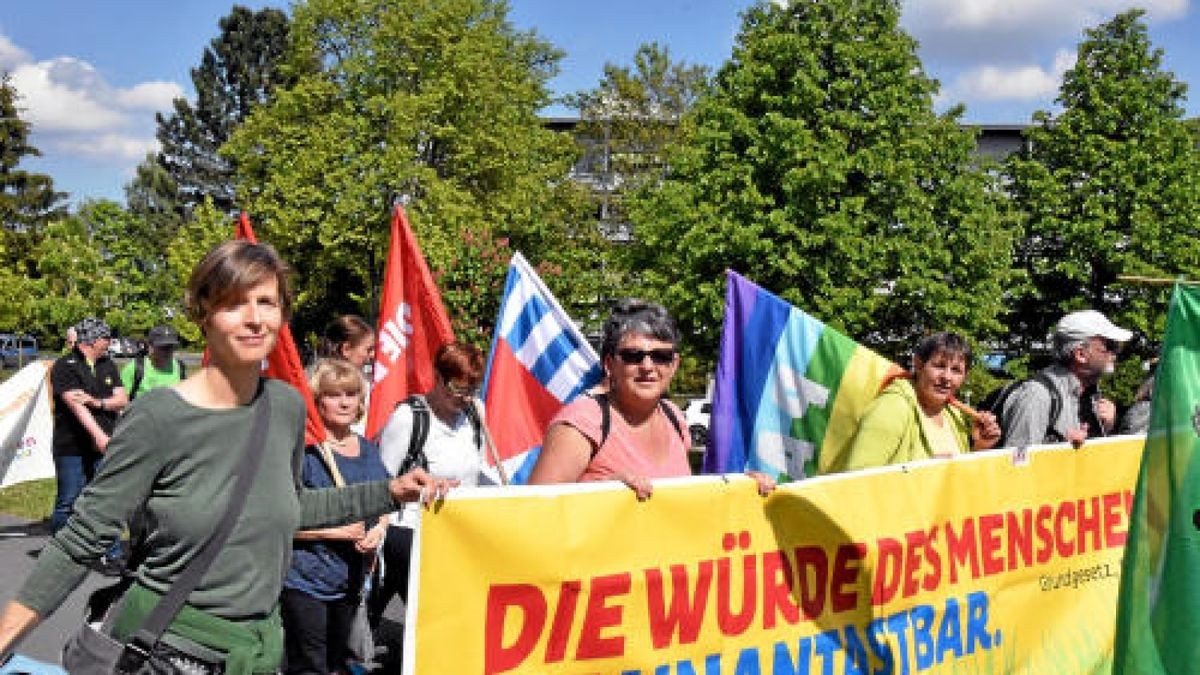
[(324, 584)]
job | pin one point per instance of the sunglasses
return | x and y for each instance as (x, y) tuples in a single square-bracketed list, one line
[(660, 357), (459, 390)]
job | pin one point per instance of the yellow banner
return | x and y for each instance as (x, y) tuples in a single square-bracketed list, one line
[(978, 565)]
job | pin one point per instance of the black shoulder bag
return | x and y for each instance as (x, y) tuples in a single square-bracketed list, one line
[(92, 651)]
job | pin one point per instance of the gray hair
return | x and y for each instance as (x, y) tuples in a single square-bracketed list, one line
[(631, 315), (1065, 346)]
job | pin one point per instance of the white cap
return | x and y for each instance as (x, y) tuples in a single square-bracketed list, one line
[(1090, 323)]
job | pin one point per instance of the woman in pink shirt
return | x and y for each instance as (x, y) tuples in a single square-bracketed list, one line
[(644, 436)]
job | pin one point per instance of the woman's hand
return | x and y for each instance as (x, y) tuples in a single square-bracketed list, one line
[(640, 485), (985, 432), (418, 485), (765, 482), (373, 539)]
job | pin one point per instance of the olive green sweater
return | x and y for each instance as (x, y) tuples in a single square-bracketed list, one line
[(178, 462)]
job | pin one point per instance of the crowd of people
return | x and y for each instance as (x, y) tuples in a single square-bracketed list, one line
[(329, 543)]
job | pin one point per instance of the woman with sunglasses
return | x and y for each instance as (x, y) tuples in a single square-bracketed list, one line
[(644, 437), (440, 432)]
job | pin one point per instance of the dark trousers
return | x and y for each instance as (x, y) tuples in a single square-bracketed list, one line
[(72, 473), (397, 547), (315, 632)]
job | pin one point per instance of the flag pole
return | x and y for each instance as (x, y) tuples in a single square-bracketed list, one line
[(1155, 281), (488, 442)]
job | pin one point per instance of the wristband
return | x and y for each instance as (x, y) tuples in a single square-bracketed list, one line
[(102, 404)]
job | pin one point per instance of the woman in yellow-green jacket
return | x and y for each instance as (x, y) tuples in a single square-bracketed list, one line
[(913, 418)]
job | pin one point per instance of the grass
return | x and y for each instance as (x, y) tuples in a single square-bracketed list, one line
[(32, 500)]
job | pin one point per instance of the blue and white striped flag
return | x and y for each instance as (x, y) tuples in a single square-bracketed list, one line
[(539, 363)]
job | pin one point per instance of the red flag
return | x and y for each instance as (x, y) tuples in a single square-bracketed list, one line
[(412, 325), (283, 363)]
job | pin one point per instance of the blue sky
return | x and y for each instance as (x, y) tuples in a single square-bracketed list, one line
[(93, 74)]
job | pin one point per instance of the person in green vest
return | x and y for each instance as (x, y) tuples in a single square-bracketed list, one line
[(158, 368)]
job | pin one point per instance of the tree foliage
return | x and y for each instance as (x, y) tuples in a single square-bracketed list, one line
[(1110, 186), (238, 71), (627, 121), (28, 200), (818, 168), (435, 101)]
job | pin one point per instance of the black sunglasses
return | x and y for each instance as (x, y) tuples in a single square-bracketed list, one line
[(660, 357)]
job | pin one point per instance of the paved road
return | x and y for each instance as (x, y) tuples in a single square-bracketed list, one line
[(20, 542)]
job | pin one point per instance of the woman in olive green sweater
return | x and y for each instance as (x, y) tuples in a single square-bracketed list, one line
[(912, 419), (174, 455)]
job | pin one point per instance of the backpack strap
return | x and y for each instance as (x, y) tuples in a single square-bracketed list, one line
[(672, 418), (476, 424), (417, 435), (606, 419), (139, 372), (1056, 403)]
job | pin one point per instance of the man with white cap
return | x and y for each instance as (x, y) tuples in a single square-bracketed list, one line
[(1063, 402)]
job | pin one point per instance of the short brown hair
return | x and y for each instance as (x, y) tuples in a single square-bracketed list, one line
[(230, 269), (330, 373), (459, 360)]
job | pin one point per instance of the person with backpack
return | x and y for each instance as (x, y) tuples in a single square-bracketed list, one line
[(440, 432), (1062, 402), (158, 367), (629, 432)]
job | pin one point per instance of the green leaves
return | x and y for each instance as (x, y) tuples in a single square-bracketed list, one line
[(1110, 186), (818, 168), (431, 101)]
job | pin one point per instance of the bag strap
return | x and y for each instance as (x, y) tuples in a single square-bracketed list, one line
[(418, 434), (138, 649), (601, 398), (139, 372)]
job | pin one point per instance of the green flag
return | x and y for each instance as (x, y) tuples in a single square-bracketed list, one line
[(1158, 616)]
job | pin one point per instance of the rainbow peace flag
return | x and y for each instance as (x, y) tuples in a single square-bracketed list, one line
[(1158, 611), (789, 390)]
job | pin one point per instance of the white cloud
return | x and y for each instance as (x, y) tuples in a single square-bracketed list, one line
[(75, 113), (1020, 83), (55, 104), (109, 145), (961, 33), (10, 54), (150, 96)]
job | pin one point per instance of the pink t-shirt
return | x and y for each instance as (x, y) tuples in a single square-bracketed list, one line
[(620, 455)]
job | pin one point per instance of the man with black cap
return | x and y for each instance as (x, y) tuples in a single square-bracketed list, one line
[(160, 369), (87, 398), (1063, 401)]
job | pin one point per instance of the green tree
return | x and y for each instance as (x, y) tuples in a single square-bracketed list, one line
[(73, 279), (627, 121), (1110, 186), (818, 168), (433, 100), (207, 227), (28, 200), (238, 71)]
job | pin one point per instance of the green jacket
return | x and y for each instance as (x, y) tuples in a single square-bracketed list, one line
[(890, 431)]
